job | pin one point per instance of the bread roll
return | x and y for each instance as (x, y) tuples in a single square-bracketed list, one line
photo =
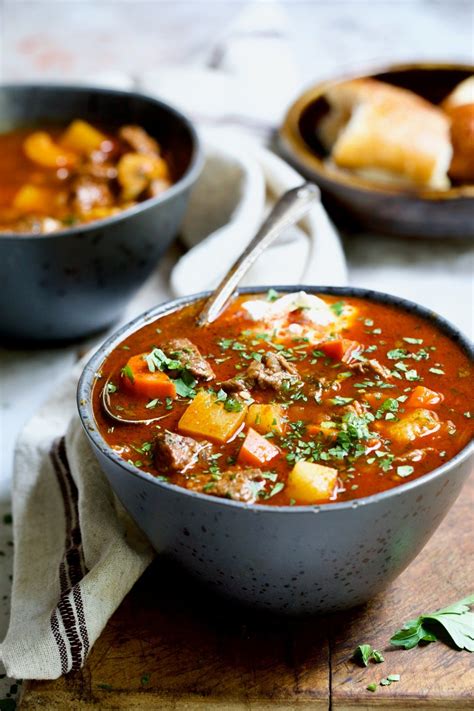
[(387, 134), (459, 106), (462, 94)]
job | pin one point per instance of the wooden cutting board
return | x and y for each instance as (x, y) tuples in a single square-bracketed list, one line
[(172, 646)]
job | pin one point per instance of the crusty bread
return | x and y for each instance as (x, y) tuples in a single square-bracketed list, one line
[(386, 133), (459, 106), (462, 94)]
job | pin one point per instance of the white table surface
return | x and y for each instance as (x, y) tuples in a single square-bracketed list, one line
[(67, 40)]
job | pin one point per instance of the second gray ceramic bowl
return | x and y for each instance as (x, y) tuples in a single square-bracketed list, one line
[(286, 559), (76, 281)]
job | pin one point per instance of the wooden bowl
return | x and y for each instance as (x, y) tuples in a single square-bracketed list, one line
[(362, 203)]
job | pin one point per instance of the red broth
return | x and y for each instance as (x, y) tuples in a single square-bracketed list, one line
[(366, 408)]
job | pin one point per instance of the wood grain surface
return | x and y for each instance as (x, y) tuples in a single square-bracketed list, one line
[(172, 646)]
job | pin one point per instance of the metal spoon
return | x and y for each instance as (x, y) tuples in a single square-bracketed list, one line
[(290, 208)]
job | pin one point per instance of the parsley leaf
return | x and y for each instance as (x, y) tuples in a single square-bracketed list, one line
[(231, 404), (338, 307), (185, 385), (126, 371), (456, 620), (364, 654), (414, 341)]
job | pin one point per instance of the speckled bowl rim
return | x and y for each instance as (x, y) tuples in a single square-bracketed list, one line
[(296, 148), (87, 379), (188, 178)]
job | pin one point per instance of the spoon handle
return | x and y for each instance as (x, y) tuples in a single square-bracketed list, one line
[(290, 208)]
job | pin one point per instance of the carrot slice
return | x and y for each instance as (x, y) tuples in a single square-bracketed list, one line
[(256, 449), (138, 380), (341, 349), (423, 397)]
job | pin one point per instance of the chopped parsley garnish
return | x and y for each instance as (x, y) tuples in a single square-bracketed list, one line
[(158, 360), (397, 353), (185, 384), (389, 406), (338, 307), (338, 400), (127, 372), (436, 371), (414, 341), (111, 388), (272, 295), (232, 404), (153, 403)]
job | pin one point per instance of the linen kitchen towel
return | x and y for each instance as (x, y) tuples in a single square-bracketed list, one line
[(77, 552)]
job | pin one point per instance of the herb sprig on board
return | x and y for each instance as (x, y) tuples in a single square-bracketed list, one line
[(455, 621)]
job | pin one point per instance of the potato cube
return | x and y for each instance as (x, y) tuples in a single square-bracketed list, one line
[(309, 483), (206, 417), (31, 198), (81, 137), (412, 425), (266, 418)]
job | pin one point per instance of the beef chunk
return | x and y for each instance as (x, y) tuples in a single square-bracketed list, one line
[(366, 366), (238, 485), (273, 371), (188, 354), (176, 453), (90, 192), (101, 171), (238, 387), (139, 140)]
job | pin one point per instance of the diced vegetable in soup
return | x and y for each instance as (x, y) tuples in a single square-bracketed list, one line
[(51, 179), (288, 400)]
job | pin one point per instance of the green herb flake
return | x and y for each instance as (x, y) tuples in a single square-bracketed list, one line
[(413, 341), (393, 677), (276, 489), (232, 404), (338, 307), (338, 400), (372, 687), (436, 371), (153, 403), (127, 373), (364, 654), (272, 295), (111, 388)]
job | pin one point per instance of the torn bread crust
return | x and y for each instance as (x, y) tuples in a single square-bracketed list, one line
[(386, 133)]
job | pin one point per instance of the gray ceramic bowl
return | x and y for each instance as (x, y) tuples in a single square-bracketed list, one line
[(300, 559), (70, 283)]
